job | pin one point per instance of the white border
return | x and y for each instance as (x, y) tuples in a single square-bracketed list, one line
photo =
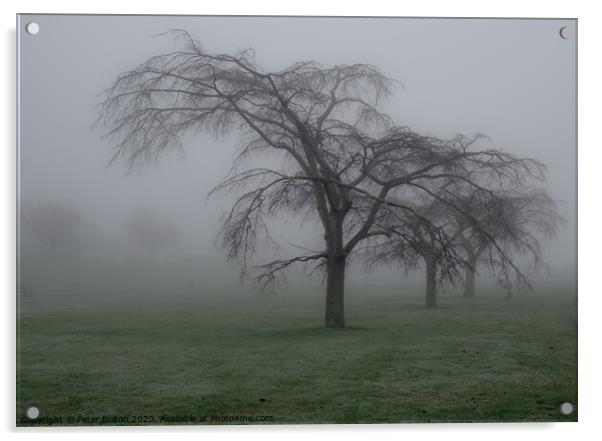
[(590, 301)]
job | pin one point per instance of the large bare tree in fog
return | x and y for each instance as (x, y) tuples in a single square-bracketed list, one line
[(329, 152)]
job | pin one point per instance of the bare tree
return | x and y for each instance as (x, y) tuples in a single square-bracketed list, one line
[(457, 229), (517, 223), (422, 235), (342, 159)]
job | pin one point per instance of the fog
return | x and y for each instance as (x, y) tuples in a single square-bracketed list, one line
[(513, 80)]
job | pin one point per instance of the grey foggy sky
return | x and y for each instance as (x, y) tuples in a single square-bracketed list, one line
[(513, 80)]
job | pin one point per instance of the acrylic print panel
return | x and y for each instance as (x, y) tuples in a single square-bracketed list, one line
[(284, 220)]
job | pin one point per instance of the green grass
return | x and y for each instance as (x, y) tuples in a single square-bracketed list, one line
[(469, 360)]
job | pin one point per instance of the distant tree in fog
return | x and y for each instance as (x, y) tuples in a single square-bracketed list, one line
[(58, 228), (462, 227), (517, 222), (425, 235), (150, 234), (329, 152)]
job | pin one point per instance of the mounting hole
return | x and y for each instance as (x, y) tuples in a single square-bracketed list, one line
[(566, 408), (565, 32), (32, 413), (32, 28)]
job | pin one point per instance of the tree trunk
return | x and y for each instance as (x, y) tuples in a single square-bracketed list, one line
[(469, 281), (335, 275), (335, 292), (431, 283)]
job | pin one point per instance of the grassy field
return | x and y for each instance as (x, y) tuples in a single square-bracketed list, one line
[(269, 360)]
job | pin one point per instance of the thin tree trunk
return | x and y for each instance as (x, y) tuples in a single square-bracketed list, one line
[(469, 281), (431, 283)]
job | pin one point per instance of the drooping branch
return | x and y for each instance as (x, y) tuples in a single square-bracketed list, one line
[(269, 271)]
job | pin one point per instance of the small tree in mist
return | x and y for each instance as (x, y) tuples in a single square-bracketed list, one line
[(329, 152), (517, 223), (150, 234), (414, 238), (59, 228)]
